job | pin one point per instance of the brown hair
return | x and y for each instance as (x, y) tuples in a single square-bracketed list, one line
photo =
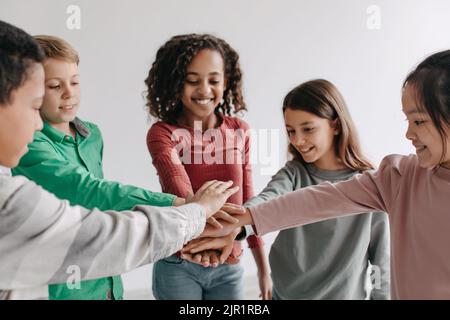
[(57, 48), (431, 83), (167, 75), (322, 98)]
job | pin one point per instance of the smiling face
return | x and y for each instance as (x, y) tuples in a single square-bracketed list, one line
[(204, 85), (312, 137), (423, 134), (20, 118), (62, 92)]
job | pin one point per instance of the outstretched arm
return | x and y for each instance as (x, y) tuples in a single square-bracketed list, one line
[(44, 240)]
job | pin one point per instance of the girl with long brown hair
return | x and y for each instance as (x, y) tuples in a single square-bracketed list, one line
[(328, 259)]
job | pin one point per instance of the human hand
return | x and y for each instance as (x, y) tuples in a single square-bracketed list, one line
[(178, 202), (226, 213), (213, 194), (265, 286), (223, 244), (207, 258)]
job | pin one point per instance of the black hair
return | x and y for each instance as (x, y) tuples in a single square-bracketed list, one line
[(431, 83), (18, 53), (168, 72)]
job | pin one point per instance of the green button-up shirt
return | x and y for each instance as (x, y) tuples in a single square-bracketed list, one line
[(72, 170)]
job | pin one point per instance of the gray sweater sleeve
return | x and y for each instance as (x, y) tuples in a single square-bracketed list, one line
[(281, 183), (379, 257), (44, 240)]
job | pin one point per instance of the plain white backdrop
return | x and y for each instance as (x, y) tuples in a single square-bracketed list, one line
[(365, 47)]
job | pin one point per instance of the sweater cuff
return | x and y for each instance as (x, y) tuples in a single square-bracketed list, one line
[(195, 220), (255, 242)]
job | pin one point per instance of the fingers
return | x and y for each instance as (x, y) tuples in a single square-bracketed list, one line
[(194, 243), (225, 253), (225, 216), (187, 257), (232, 208), (206, 185), (189, 245), (267, 295), (230, 192), (205, 259), (213, 222), (202, 245), (222, 186), (214, 259), (197, 258)]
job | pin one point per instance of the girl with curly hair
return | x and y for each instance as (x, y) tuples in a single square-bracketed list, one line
[(193, 87)]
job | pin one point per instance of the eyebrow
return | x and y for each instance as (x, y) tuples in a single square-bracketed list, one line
[(414, 112), (301, 124), (211, 73), (58, 78)]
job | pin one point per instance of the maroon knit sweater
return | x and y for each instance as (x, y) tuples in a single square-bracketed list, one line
[(186, 158)]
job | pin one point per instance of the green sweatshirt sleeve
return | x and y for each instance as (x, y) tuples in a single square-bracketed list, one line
[(44, 165)]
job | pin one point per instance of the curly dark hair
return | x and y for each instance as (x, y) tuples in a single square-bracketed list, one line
[(18, 52), (166, 77)]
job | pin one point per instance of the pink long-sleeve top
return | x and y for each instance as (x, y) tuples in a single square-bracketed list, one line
[(417, 201), (186, 158)]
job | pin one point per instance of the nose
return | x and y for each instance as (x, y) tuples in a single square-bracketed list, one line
[(68, 92), (410, 135), (298, 139), (204, 88)]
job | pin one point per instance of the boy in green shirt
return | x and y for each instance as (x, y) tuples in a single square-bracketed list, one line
[(66, 159)]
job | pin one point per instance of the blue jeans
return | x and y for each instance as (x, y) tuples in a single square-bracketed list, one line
[(178, 279)]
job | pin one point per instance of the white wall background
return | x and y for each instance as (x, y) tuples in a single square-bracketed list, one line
[(281, 44)]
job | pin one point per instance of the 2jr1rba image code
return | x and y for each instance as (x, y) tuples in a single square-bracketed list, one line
[(224, 310)]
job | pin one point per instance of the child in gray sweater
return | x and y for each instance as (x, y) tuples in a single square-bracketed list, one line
[(328, 259)]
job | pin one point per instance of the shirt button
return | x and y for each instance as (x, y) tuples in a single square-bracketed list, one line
[(109, 294)]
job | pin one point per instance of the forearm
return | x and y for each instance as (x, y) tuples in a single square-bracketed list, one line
[(80, 187), (244, 219), (178, 201), (55, 238), (259, 256)]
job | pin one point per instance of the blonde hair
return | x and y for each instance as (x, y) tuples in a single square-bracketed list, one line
[(322, 98), (57, 48)]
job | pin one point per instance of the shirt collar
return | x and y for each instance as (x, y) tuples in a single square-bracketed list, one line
[(5, 171), (59, 136)]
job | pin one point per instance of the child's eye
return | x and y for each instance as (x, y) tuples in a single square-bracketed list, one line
[(54, 87), (418, 122), (191, 81), (290, 132), (308, 129), (214, 82)]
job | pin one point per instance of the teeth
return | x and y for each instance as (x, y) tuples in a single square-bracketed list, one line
[(305, 150), (421, 148), (203, 101)]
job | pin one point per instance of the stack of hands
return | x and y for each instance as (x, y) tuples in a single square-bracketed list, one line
[(224, 223)]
